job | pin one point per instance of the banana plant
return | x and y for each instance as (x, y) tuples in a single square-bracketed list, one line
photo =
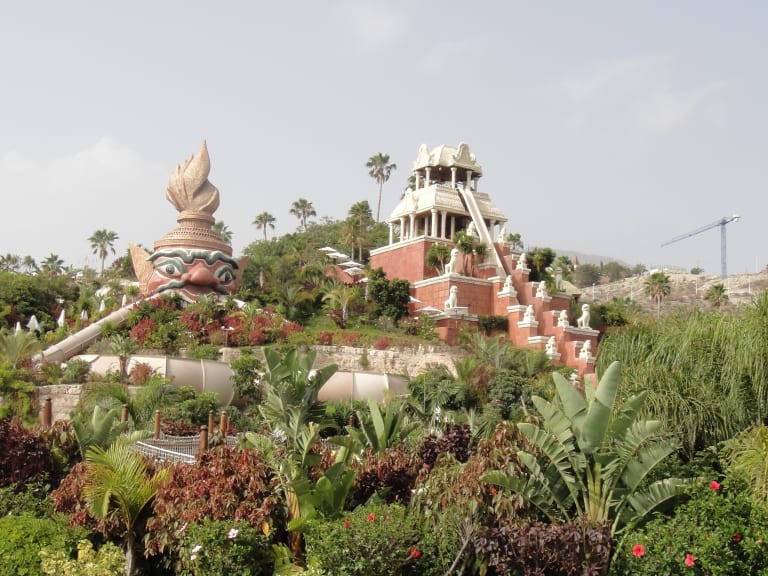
[(590, 459), (380, 430)]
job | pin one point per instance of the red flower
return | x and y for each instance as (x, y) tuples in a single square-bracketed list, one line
[(638, 550), (415, 553), (736, 537), (689, 559), (715, 485), (347, 523), (371, 517)]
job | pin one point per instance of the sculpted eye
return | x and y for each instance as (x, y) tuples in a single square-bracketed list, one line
[(171, 267), (225, 274)]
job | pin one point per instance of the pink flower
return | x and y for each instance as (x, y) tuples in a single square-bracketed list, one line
[(415, 553), (371, 517), (715, 485), (638, 550), (689, 559), (233, 533)]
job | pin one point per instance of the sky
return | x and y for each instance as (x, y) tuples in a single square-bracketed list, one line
[(602, 127)]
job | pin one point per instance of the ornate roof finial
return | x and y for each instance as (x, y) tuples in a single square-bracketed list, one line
[(189, 188)]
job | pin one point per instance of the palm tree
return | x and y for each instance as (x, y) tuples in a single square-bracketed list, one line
[(52, 265), (17, 346), (591, 459), (380, 169), (223, 230), (10, 263), (263, 221), (303, 209), (437, 256), (657, 286), (338, 299), (103, 242), (465, 243), (360, 220), (124, 347), (29, 265), (119, 486), (716, 295)]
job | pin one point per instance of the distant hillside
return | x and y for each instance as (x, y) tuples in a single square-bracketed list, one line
[(590, 258), (687, 290)]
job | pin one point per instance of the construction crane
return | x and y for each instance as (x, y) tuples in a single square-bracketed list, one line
[(722, 222)]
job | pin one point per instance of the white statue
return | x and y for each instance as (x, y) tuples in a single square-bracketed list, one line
[(586, 350), (528, 316), (583, 320), (541, 290), (551, 346), (502, 238), (453, 297), (450, 267), (508, 286), (522, 262), (562, 319), (559, 279), (472, 230)]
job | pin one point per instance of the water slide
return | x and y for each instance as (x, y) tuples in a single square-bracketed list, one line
[(482, 229), (79, 341)]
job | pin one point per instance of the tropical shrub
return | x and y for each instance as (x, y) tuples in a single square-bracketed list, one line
[(391, 475), (17, 392), (247, 369), (226, 484), (30, 499), (25, 535), (492, 323), (140, 373), (108, 560), (26, 458), (76, 372), (719, 530), (556, 549), (375, 540), (213, 548), (591, 458)]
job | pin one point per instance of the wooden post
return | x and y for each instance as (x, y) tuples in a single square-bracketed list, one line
[(203, 440), (223, 423), (157, 424), (124, 414), (210, 421), (47, 414)]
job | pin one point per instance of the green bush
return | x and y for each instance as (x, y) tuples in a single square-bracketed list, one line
[(375, 540), (31, 498), (76, 372), (24, 536), (718, 531), (221, 547), (106, 561)]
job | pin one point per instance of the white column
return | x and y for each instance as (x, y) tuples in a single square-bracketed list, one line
[(426, 183), (402, 228), (469, 179), (412, 225), (418, 180), (443, 223), (453, 226), (391, 232), (453, 177), (434, 222)]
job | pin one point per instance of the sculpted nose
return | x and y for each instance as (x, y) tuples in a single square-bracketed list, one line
[(201, 276)]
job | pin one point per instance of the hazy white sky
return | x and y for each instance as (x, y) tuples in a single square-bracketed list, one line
[(602, 127)]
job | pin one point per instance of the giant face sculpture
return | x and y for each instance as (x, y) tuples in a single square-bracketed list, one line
[(191, 260)]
